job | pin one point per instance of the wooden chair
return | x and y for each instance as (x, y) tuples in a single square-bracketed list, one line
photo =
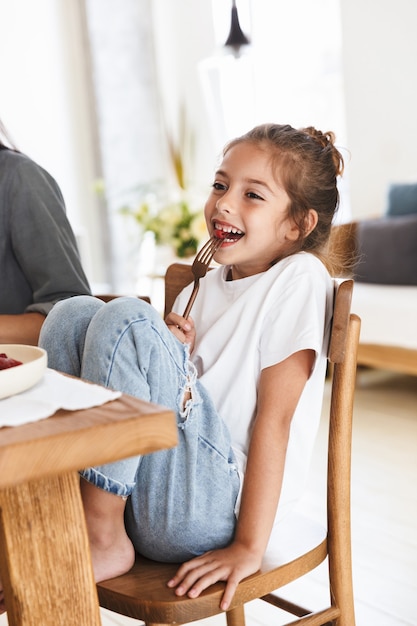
[(106, 297), (142, 593)]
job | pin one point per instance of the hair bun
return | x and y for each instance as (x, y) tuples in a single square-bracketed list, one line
[(327, 142)]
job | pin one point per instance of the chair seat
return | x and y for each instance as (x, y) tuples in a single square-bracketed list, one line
[(142, 592)]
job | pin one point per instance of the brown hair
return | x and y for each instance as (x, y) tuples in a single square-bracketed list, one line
[(309, 166)]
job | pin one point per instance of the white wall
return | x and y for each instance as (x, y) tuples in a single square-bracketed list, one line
[(183, 35), (128, 123), (380, 64)]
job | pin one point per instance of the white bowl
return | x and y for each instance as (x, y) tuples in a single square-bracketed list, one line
[(16, 379)]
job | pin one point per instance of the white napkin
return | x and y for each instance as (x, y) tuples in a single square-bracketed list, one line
[(55, 391)]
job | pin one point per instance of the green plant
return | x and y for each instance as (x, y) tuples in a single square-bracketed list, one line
[(173, 221)]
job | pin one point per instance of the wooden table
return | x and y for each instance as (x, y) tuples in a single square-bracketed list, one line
[(45, 560)]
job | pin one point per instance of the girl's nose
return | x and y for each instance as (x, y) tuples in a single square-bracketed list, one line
[(225, 204)]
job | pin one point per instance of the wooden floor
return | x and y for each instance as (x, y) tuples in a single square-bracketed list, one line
[(384, 511)]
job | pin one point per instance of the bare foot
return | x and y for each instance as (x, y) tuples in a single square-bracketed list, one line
[(112, 552)]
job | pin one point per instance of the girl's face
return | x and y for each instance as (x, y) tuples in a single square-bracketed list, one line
[(248, 209)]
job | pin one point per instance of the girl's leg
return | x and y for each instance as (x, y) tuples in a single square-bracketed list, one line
[(129, 348), (64, 330), (183, 504), (182, 500), (63, 337), (112, 552), (123, 351)]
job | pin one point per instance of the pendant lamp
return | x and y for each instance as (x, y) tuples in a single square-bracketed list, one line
[(236, 38), (226, 80)]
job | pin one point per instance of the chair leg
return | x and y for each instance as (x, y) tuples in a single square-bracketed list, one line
[(236, 617)]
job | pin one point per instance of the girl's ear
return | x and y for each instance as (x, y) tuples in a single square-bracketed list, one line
[(311, 220)]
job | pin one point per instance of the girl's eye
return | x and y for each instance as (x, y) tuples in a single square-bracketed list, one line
[(252, 194), (219, 186)]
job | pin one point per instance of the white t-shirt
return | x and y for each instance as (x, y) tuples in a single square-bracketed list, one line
[(246, 325)]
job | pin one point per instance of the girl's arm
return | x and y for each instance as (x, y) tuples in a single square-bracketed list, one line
[(279, 391)]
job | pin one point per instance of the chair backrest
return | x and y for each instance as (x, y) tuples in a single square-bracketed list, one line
[(177, 276), (343, 354), (106, 297), (340, 321), (342, 247)]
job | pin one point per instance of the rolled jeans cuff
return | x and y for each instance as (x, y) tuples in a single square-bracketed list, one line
[(96, 478)]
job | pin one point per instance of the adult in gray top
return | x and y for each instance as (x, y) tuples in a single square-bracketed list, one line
[(39, 259)]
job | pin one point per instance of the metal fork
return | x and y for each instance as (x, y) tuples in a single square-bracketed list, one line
[(200, 267)]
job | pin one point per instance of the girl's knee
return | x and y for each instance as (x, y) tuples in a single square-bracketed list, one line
[(118, 319), (71, 312), (129, 308), (78, 306)]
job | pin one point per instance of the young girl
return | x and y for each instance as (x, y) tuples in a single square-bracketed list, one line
[(244, 374)]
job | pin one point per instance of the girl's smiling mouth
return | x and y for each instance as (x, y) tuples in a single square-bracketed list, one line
[(229, 234)]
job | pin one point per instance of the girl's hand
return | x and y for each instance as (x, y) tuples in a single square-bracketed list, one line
[(182, 328), (230, 564)]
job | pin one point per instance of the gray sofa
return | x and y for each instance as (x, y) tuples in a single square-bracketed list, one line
[(382, 255)]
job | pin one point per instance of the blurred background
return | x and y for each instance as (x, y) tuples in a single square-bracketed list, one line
[(103, 94)]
